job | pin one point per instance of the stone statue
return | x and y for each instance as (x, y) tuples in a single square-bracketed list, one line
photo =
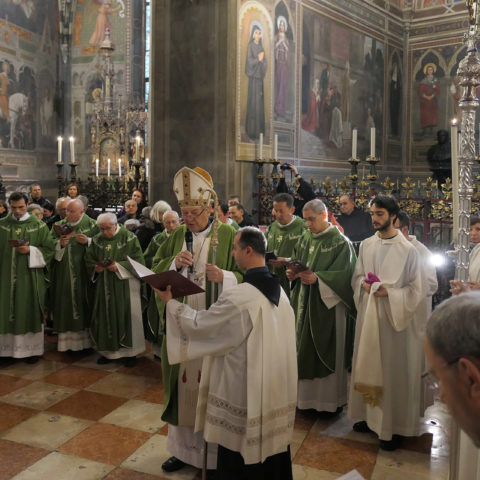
[(439, 157)]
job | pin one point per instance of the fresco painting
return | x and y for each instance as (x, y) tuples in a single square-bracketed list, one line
[(342, 88), (284, 64), (27, 97), (17, 106), (255, 72), (98, 15), (435, 90)]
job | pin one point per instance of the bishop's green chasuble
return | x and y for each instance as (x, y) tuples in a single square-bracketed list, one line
[(330, 255), (162, 262)]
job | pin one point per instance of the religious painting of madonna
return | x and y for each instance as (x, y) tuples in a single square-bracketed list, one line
[(255, 65), (342, 89), (284, 63)]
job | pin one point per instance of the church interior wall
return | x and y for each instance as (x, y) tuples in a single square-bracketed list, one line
[(126, 22), (376, 53), (29, 91)]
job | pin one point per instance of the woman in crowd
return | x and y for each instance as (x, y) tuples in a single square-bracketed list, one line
[(3, 208)]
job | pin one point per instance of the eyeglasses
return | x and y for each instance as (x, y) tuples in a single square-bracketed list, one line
[(432, 380), (192, 214)]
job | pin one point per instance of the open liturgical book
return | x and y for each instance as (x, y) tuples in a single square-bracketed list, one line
[(181, 286)]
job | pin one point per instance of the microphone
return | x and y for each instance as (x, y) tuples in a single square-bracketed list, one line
[(189, 244)]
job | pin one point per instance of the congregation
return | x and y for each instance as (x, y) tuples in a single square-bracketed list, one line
[(311, 312)]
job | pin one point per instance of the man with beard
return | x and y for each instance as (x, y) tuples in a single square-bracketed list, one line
[(386, 382)]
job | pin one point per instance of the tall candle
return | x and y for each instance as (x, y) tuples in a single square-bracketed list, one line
[(455, 199), (372, 142), (275, 147), (260, 149), (96, 167), (72, 150), (354, 143), (119, 167), (59, 140), (147, 161), (108, 167), (137, 149)]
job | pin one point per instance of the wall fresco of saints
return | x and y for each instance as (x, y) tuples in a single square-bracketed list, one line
[(27, 91), (342, 88)]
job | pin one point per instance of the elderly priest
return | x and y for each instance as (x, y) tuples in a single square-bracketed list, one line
[(194, 190), (26, 248), (250, 383), (116, 326), (72, 292), (323, 302)]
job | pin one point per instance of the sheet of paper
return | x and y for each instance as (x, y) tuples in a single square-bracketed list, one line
[(352, 475), (140, 270)]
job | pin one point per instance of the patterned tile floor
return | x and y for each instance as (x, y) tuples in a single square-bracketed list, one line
[(67, 418)]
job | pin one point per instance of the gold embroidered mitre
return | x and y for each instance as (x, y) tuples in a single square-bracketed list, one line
[(191, 187)]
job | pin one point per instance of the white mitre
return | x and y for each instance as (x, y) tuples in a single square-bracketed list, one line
[(193, 188)]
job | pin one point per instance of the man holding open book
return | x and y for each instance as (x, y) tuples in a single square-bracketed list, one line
[(322, 299), (26, 248), (190, 251)]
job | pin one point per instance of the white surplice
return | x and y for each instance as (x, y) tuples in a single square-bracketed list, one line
[(474, 267), (182, 441), (392, 320), (251, 388), (424, 309)]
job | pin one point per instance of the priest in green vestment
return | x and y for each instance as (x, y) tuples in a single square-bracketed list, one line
[(283, 235), (322, 299), (116, 326), (26, 249), (194, 189), (71, 291), (171, 221)]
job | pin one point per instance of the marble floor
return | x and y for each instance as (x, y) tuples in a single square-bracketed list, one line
[(67, 418)]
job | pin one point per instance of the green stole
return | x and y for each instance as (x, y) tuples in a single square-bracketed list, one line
[(111, 326), (72, 292), (23, 289), (282, 240), (332, 258), (161, 263)]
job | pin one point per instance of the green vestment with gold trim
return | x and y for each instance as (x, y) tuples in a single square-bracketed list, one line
[(161, 263), (330, 255), (281, 240), (111, 326), (72, 291), (23, 289)]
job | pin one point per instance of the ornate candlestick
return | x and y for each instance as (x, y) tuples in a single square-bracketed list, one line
[(469, 75)]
